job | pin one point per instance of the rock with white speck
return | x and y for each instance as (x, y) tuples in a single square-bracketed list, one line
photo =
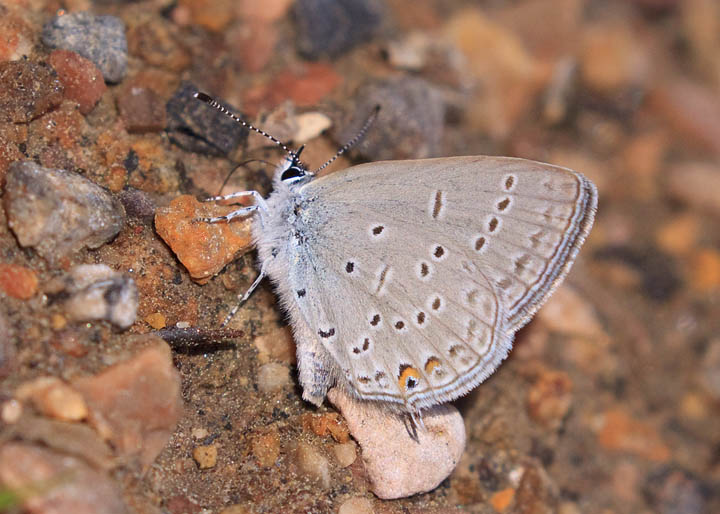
[(397, 464), (101, 39), (58, 212), (97, 292)]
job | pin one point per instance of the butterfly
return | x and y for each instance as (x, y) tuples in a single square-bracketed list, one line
[(405, 281)]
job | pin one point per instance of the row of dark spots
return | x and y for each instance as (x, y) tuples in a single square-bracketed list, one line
[(330, 332)]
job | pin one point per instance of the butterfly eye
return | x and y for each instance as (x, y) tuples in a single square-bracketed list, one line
[(296, 170)]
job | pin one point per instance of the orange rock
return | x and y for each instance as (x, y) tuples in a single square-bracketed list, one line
[(266, 448), (501, 500), (18, 281), (203, 248), (622, 433), (549, 398), (82, 81), (705, 270), (680, 235), (156, 320), (305, 88)]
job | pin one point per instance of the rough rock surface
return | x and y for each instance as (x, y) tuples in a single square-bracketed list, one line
[(58, 212)]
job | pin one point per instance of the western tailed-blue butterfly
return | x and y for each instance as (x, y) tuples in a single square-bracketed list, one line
[(405, 281)]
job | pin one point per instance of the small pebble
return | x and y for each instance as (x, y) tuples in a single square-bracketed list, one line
[(141, 109), (310, 126), (27, 90), (205, 456), (277, 345), (266, 448), (312, 464), (328, 28), (623, 433), (155, 320), (409, 125), (272, 377), (501, 500), (54, 398), (100, 39), (397, 465), (356, 506), (549, 398), (82, 81), (195, 126), (97, 292), (203, 248), (696, 184), (10, 411), (18, 281), (568, 313), (58, 212), (345, 453), (200, 433)]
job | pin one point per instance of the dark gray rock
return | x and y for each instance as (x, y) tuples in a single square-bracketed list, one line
[(58, 212), (409, 125), (328, 28), (100, 39), (197, 127)]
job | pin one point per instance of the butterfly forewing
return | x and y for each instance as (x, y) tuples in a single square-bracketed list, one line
[(422, 270)]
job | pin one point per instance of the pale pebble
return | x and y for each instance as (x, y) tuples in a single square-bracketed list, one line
[(356, 506), (398, 465), (345, 453), (272, 377), (312, 464)]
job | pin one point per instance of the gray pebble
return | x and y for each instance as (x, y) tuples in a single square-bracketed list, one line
[(58, 212), (100, 39), (328, 28), (195, 126), (409, 125), (96, 292)]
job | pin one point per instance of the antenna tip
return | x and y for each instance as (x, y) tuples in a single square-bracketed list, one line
[(202, 96), (376, 109)]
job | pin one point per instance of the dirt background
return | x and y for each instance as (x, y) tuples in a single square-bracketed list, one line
[(610, 401)]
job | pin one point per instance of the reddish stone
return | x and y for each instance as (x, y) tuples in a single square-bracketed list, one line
[(18, 281), (305, 88), (622, 433), (692, 110), (158, 43), (141, 109), (82, 80), (16, 37), (203, 248), (549, 398), (253, 45), (136, 403), (27, 90)]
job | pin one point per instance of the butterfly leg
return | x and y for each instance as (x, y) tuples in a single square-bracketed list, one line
[(245, 296), (259, 200), (234, 214)]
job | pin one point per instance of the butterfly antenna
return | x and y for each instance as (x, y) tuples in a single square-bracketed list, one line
[(347, 146), (215, 104)]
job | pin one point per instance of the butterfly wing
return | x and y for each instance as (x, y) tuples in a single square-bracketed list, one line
[(418, 273)]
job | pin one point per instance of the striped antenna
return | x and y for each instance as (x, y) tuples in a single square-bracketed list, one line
[(214, 103), (347, 146)]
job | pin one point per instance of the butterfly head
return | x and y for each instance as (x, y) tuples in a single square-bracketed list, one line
[(293, 170)]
